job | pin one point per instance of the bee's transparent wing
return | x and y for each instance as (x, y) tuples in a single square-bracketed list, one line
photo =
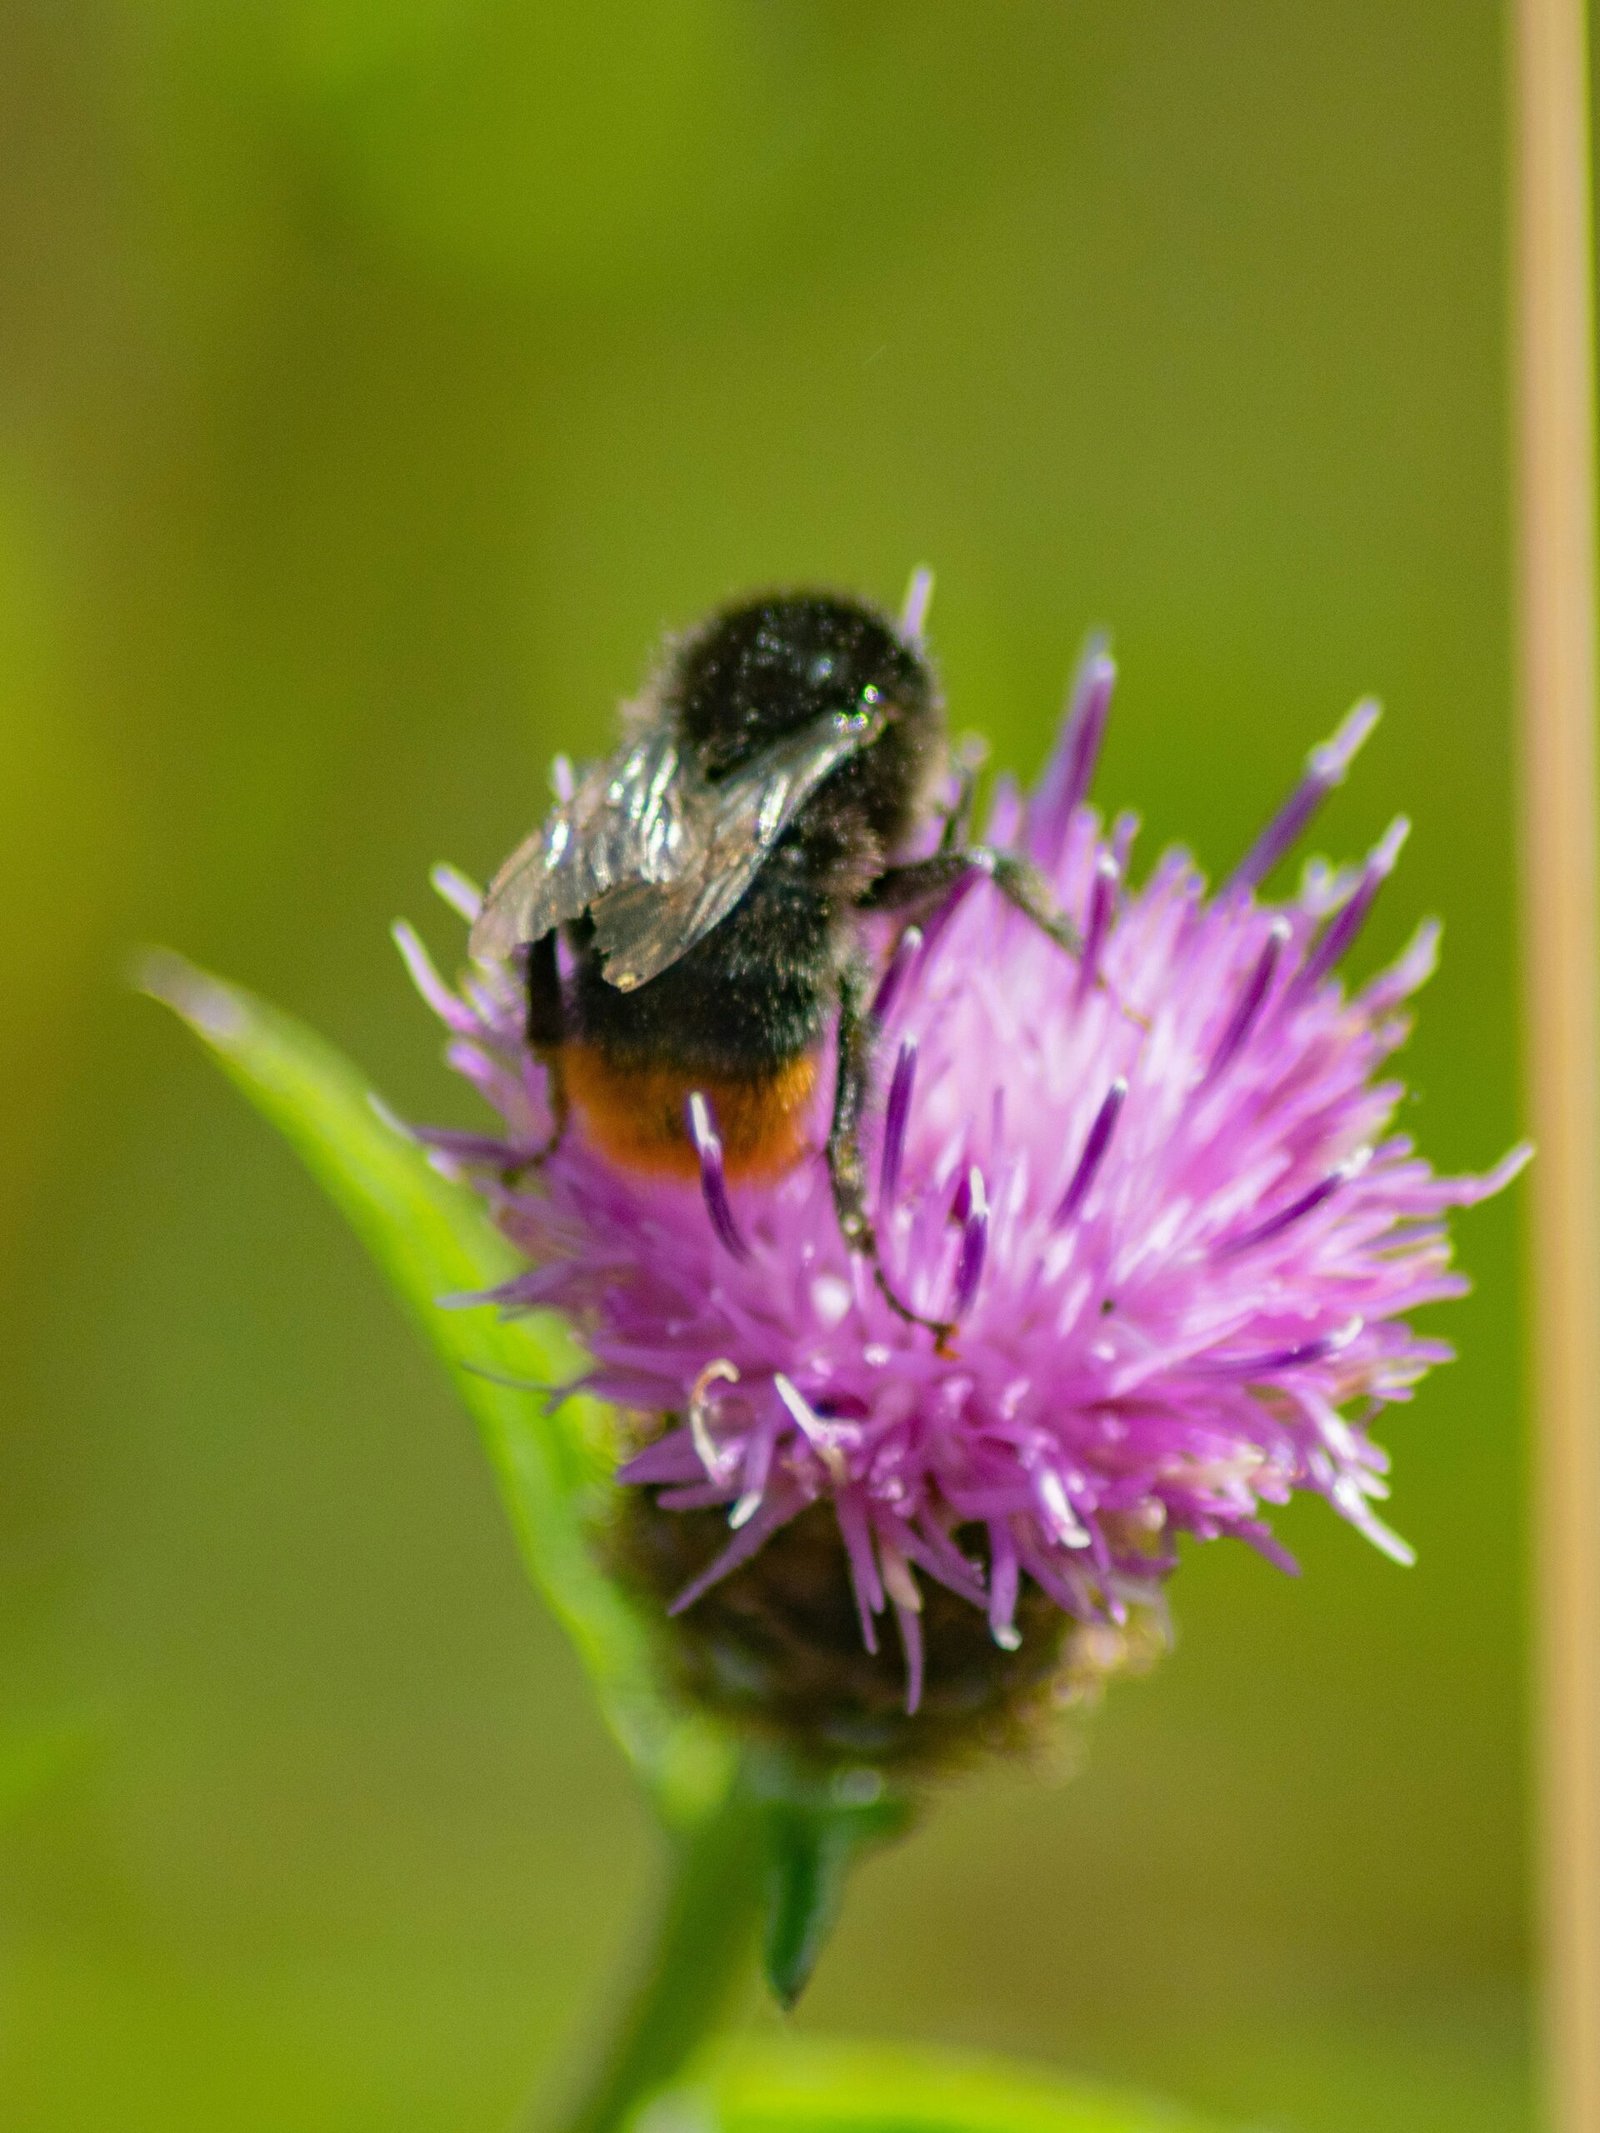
[(639, 818), (642, 927)]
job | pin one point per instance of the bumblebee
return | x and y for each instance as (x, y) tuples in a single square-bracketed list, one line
[(692, 908)]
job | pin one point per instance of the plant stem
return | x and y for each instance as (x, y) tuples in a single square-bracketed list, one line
[(702, 1940), (1561, 867)]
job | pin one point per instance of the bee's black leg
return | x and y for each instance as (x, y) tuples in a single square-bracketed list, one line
[(547, 1028), (925, 881), (969, 761), (547, 1014), (847, 1170)]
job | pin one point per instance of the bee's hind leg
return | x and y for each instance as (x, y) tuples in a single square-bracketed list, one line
[(922, 883), (847, 1170), (547, 1028), (925, 881)]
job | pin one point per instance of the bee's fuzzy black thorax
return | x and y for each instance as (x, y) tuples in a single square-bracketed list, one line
[(774, 664), (758, 990)]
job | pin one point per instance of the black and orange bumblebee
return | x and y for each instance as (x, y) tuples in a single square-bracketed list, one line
[(710, 879)]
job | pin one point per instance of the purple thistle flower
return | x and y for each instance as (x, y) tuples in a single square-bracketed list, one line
[(1162, 1196)]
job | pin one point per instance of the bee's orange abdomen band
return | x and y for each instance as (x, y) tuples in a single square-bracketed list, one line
[(637, 1113)]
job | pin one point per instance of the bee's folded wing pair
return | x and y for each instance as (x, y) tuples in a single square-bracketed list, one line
[(654, 851)]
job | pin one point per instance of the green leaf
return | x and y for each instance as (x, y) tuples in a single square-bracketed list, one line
[(815, 1834), (796, 2086), (432, 1239), (808, 1864)]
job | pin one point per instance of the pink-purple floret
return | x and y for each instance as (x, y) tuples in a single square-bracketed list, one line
[(1159, 1190)]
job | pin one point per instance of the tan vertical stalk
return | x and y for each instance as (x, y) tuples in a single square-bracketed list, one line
[(1555, 414)]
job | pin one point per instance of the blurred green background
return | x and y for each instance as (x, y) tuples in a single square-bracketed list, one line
[(378, 378)]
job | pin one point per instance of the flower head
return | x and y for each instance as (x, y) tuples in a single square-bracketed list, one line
[(1156, 1187)]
